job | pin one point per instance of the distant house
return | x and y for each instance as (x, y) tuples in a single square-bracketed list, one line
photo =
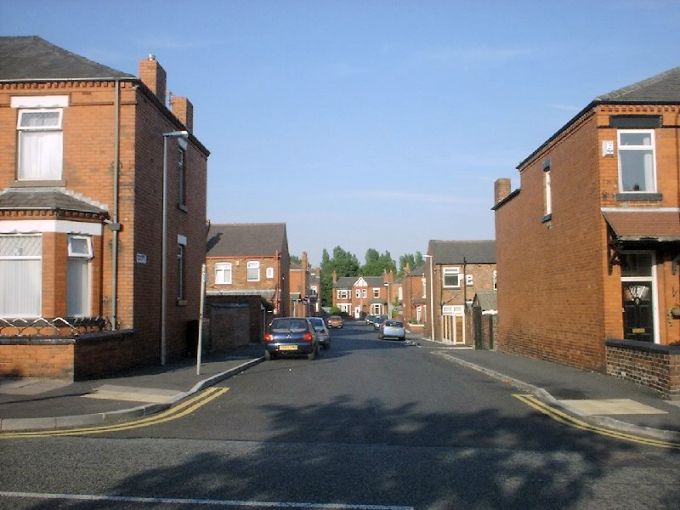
[(415, 302), (358, 296), (454, 272), (250, 259), (303, 297), (101, 243), (589, 244)]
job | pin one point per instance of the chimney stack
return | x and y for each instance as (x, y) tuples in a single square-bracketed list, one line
[(184, 111), (501, 188), (153, 76)]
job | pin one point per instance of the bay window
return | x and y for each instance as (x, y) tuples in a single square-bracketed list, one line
[(20, 276)]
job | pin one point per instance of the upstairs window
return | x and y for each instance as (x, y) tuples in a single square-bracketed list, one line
[(41, 145), (253, 271), (637, 168), (451, 276), (181, 178), (343, 294), (223, 273), (376, 292)]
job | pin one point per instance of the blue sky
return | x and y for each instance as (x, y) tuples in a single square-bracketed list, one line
[(368, 124)]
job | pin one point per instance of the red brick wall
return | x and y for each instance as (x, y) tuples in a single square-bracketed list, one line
[(550, 274), (658, 369), (24, 360)]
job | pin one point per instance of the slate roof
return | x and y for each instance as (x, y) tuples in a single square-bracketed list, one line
[(644, 225), (45, 199), (247, 239), (661, 88), (456, 252), (487, 299), (33, 58), (345, 282)]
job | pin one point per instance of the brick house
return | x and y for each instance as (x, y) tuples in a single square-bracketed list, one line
[(415, 299), (250, 259), (588, 245), (303, 298), (84, 206), (454, 272), (358, 296)]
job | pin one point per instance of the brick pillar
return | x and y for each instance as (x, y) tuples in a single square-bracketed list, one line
[(153, 76)]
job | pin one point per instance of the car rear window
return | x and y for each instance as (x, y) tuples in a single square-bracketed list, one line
[(316, 322), (289, 325), (394, 324)]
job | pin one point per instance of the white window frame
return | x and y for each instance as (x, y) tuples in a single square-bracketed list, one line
[(424, 282), (58, 171), (364, 293), (27, 313), (376, 292), (223, 273), (451, 271), (269, 273), (87, 256), (494, 279), (623, 148), (343, 294), (253, 265), (357, 293), (547, 192)]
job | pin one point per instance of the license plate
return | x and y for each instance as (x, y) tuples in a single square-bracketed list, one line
[(287, 347)]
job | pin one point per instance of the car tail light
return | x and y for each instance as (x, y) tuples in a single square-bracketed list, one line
[(268, 337), (308, 337)]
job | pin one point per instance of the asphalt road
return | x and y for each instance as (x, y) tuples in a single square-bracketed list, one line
[(368, 425)]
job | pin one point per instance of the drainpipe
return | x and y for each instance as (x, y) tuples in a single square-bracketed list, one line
[(115, 226)]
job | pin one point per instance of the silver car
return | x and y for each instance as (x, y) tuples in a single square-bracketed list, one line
[(392, 329), (322, 333)]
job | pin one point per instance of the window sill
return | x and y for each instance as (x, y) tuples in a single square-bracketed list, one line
[(546, 218), (38, 184), (182, 302), (632, 197)]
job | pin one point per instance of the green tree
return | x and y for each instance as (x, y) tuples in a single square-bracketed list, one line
[(377, 263), (412, 260), (343, 263)]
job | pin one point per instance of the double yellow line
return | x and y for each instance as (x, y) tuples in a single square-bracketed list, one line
[(183, 409), (571, 421)]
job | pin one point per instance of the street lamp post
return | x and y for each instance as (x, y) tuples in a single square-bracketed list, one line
[(431, 296), (164, 240)]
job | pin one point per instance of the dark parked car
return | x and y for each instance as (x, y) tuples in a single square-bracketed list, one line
[(379, 319), (370, 320), (322, 333), (290, 336)]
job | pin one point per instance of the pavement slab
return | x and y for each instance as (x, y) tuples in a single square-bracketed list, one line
[(609, 406), (132, 394)]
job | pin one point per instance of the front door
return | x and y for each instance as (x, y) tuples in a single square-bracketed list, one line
[(638, 292), (638, 318)]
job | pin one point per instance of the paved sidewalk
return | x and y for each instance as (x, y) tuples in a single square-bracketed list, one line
[(595, 398), (38, 404)]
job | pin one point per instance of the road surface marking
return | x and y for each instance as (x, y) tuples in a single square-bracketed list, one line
[(571, 421), (185, 408), (210, 502)]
